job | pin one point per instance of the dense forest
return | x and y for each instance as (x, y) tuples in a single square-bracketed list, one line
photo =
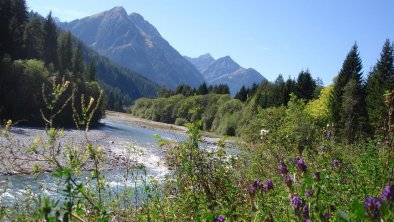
[(42, 71)]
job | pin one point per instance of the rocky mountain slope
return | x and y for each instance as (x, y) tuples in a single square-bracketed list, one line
[(133, 42)]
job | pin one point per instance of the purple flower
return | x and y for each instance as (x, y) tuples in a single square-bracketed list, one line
[(372, 206), (326, 216), (335, 163), (268, 185), (305, 211), (316, 176), (328, 134), (309, 193), (288, 181), (306, 220), (296, 202), (301, 165), (283, 168), (251, 189), (257, 183), (388, 193), (220, 218)]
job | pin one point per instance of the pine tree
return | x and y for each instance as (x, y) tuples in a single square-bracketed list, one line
[(351, 69), (380, 80), (242, 94), (33, 39), (50, 41), (305, 86), (202, 89), (78, 64), (65, 52)]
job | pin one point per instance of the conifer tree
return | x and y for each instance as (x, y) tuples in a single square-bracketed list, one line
[(33, 39), (65, 52), (379, 80), (202, 89), (78, 64), (242, 94), (50, 41), (305, 86), (351, 70)]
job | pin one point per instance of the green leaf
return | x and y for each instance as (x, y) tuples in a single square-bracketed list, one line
[(358, 209), (344, 215)]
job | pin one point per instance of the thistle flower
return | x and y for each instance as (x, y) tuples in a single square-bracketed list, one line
[(316, 176), (309, 193), (220, 218), (296, 202), (388, 193), (301, 165), (372, 206), (283, 168), (335, 163), (268, 185), (288, 181)]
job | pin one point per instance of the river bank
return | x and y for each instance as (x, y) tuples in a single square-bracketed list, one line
[(25, 150)]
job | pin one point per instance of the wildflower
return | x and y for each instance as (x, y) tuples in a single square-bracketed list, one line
[(301, 165), (251, 189), (328, 134), (323, 149), (283, 168), (257, 183), (316, 176), (305, 211), (296, 202), (335, 163), (268, 185), (288, 181), (388, 193), (220, 218), (372, 206), (309, 193), (306, 220), (326, 216)]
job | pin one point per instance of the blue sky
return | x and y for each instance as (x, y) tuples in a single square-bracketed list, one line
[(274, 37)]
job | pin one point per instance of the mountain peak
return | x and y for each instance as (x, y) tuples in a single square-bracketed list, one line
[(116, 12), (206, 56), (136, 16)]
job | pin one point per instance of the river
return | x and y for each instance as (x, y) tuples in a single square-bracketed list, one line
[(144, 149)]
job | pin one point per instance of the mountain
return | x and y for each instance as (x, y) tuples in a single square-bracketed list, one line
[(225, 70), (133, 42), (118, 80), (202, 62)]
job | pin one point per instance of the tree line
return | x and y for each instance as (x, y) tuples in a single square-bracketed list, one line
[(353, 107), (42, 70)]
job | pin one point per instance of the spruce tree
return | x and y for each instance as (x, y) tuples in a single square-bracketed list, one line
[(350, 71), (50, 41), (65, 52), (380, 80), (33, 39), (202, 89), (242, 94), (305, 86)]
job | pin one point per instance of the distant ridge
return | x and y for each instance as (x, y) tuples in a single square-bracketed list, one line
[(225, 70), (133, 42)]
